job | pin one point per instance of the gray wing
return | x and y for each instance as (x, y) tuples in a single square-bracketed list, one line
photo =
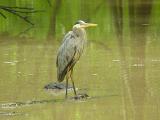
[(67, 56)]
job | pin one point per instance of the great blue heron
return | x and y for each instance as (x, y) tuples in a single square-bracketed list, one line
[(70, 52)]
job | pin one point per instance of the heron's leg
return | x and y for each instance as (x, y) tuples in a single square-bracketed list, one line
[(71, 73), (66, 87), (67, 77)]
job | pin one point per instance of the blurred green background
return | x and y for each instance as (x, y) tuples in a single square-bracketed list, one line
[(58, 16)]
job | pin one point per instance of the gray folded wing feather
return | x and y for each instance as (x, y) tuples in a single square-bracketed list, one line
[(67, 55)]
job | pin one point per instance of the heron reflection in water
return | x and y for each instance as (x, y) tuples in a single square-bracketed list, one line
[(70, 51)]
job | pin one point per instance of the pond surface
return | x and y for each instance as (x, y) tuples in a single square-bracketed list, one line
[(102, 73)]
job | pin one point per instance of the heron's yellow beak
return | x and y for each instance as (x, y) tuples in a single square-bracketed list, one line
[(88, 25)]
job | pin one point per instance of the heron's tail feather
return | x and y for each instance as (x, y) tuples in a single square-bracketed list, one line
[(61, 76)]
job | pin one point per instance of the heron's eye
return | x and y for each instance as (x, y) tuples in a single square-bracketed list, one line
[(76, 23)]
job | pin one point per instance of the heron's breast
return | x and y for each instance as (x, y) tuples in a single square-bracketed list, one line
[(80, 44)]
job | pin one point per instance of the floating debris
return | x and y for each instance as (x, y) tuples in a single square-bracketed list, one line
[(11, 113), (58, 88), (27, 103), (156, 60), (11, 62), (9, 105), (30, 74), (81, 97), (116, 60), (94, 74), (137, 65), (19, 72)]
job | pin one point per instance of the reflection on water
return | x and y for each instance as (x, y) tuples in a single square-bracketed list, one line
[(121, 77), (27, 67), (134, 80)]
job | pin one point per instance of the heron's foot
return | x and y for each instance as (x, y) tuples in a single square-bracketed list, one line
[(81, 96)]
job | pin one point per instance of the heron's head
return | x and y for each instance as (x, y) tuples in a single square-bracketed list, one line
[(82, 24)]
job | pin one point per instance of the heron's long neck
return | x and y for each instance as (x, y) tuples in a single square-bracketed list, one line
[(80, 32)]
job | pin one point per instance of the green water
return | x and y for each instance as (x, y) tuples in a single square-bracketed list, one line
[(27, 67)]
